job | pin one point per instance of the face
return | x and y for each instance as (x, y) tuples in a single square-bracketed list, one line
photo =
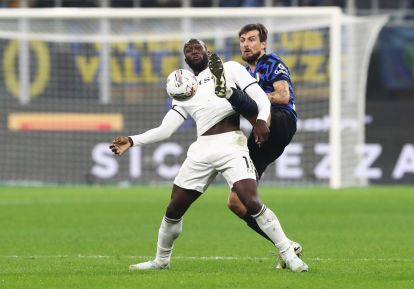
[(195, 53), (250, 46)]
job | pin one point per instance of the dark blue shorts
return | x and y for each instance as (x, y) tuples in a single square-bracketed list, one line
[(282, 130)]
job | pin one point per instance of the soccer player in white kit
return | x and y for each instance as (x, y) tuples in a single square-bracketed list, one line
[(220, 148)]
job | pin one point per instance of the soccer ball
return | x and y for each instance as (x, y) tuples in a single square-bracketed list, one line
[(181, 84)]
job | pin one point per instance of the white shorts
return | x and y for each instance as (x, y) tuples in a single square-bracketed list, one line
[(224, 153)]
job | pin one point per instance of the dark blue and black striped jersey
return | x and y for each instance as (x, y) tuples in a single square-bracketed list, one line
[(270, 68)]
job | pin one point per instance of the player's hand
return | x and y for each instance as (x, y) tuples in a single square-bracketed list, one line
[(120, 145), (260, 131)]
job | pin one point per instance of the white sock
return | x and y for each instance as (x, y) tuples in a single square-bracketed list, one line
[(270, 225), (169, 230)]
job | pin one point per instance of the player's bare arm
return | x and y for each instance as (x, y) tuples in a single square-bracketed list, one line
[(170, 123), (281, 94)]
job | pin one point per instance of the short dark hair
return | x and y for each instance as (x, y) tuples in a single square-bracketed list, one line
[(258, 26), (194, 40)]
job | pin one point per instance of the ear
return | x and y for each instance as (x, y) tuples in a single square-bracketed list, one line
[(263, 45)]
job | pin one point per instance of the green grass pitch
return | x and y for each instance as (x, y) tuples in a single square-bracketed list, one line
[(86, 237)]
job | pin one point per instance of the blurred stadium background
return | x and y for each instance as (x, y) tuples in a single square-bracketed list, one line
[(73, 78), (70, 85)]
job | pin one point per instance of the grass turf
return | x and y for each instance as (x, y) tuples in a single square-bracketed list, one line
[(85, 237)]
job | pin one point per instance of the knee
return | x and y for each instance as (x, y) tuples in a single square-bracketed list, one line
[(250, 205), (247, 194), (253, 206), (173, 212), (236, 206)]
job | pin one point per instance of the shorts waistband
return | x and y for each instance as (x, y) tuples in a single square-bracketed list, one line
[(220, 135)]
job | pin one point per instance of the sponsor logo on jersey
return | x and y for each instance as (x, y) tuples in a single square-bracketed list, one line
[(281, 69), (205, 80)]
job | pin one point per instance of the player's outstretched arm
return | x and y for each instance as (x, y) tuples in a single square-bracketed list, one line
[(171, 122)]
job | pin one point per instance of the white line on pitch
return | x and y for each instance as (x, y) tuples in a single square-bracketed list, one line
[(202, 258)]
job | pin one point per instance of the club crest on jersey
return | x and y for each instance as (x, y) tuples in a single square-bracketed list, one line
[(257, 76), (205, 80)]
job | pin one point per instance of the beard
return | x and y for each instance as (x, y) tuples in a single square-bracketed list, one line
[(199, 66), (252, 58)]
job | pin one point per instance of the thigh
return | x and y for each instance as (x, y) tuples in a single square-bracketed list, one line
[(263, 155), (195, 175), (282, 129), (237, 166)]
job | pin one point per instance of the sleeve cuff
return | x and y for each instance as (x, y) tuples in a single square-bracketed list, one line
[(131, 142)]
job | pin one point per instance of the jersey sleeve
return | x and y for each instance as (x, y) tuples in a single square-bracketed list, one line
[(239, 74), (171, 122), (178, 109), (248, 84), (278, 71), (261, 99)]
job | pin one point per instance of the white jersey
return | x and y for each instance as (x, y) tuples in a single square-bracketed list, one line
[(205, 107)]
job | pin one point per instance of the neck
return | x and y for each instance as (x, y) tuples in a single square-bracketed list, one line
[(253, 66), (198, 70), (254, 63)]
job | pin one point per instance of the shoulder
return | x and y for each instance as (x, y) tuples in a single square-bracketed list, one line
[(174, 102), (272, 56), (179, 109), (177, 105), (276, 59), (276, 65), (233, 65), (271, 59), (234, 69)]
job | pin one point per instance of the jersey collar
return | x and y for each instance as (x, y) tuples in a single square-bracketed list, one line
[(262, 58)]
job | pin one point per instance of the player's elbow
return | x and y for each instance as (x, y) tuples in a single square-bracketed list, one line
[(285, 101), (279, 99)]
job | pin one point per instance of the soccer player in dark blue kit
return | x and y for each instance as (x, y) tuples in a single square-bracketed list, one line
[(274, 78)]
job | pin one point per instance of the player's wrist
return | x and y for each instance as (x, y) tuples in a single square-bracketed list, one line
[(263, 113), (260, 120), (131, 142)]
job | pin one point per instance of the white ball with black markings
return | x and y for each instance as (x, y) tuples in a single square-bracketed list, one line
[(181, 84)]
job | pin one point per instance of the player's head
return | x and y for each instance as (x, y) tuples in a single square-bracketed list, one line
[(195, 53), (253, 41)]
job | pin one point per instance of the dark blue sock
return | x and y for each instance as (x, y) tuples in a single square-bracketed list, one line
[(242, 103)]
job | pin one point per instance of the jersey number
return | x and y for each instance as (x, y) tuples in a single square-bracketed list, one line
[(247, 162)]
